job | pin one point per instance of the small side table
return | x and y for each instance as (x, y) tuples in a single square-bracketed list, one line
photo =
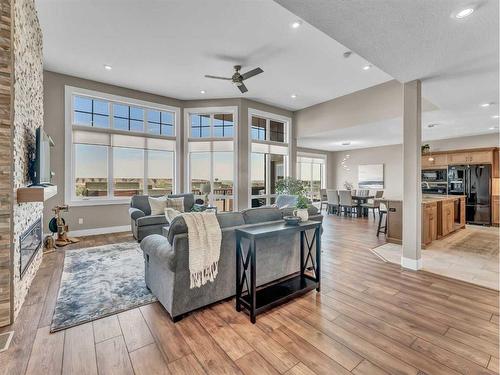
[(273, 294)]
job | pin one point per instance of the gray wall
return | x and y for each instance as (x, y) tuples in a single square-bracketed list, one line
[(390, 156), (103, 216), (476, 141)]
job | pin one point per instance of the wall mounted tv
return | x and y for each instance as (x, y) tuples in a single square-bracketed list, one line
[(42, 174)]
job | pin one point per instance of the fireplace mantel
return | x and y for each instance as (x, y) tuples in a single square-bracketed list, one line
[(36, 193)]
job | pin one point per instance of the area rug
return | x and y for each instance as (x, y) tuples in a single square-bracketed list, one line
[(100, 281)]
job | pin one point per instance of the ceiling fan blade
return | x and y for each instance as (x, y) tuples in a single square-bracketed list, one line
[(252, 73), (242, 88), (217, 77)]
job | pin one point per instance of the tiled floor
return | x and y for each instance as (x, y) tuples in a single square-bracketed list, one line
[(469, 255)]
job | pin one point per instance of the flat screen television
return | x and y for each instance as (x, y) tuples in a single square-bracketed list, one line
[(42, 174)]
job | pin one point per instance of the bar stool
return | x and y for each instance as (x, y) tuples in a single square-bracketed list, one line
[(382, 210)]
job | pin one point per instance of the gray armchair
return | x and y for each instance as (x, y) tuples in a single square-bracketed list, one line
[(143, 223)]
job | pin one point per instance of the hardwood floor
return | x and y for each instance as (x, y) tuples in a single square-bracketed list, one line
[(370, 318)]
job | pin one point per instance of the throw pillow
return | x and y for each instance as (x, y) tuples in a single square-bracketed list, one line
[(157, 205), (171, 214), (176, 203)]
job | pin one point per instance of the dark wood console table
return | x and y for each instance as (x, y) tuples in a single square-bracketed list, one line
[(256, 301)]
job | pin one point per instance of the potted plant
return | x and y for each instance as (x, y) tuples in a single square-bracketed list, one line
[(426, 148), (301, 207), (290, 186), (348, 185)]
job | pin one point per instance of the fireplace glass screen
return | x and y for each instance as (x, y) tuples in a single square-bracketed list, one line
[(30, 242)]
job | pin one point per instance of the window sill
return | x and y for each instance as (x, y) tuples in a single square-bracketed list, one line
[(98, 202)]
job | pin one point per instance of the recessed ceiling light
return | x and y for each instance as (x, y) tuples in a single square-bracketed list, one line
[(495, 116), (108, 67), (293, 96), (202, 91), (484, 105), (296, 24), (367, 67), (346, 143), (464, 13)]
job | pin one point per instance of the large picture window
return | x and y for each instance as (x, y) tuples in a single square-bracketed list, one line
[(211, 150), (311, 171), (269, 155), (117, 147)]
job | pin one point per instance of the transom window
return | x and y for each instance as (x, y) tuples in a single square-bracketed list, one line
[(211, 125), (118, 148), (268, 130)]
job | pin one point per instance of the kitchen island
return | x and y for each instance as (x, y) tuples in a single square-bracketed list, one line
[(441, 216)]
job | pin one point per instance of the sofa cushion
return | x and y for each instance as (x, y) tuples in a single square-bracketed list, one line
[(188, 200), (151, 220), (177, 226), (230, 219), (261, 215), (176, 203), (285, 201)]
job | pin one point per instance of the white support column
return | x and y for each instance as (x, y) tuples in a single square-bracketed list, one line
[(412, 189)]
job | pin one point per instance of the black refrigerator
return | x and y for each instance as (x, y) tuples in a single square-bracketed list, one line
[(473, 181)]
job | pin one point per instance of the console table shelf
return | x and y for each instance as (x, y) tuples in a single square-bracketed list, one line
[(35, 193)]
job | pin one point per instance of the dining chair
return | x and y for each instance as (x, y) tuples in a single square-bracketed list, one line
[(373, 203), (323, 199), (333, 201), (346, 202), (363, 193)]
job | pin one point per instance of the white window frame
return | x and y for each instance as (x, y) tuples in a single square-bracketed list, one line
[(301, 154), (69, 188), (188, 112), (268, 116)]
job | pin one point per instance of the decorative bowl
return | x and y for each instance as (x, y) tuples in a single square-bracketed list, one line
[(292, 220)]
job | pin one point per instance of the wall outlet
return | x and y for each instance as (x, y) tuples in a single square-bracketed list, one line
[(80, 220)]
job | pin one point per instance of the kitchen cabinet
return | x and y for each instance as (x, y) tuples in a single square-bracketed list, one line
[(471, 157), (429, 222), (439, 161)]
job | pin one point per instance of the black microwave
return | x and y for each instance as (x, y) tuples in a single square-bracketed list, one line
[(434, 175)]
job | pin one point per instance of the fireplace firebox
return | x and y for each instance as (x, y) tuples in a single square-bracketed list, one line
[(30, 243)]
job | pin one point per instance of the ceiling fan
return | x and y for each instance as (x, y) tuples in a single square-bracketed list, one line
[(238, 78)]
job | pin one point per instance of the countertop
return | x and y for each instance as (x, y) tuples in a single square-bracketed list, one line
[(430, 198)]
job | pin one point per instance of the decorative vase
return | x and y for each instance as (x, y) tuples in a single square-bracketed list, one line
[(302, 213)]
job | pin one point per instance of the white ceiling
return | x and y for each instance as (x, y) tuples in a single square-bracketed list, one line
[(457, 60), (166, 47)]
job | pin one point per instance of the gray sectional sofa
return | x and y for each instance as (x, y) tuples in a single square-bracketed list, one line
[(167, 260), (143, 223)]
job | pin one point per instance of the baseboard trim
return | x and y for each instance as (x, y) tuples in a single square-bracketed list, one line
[(412, 264), (95, 231)]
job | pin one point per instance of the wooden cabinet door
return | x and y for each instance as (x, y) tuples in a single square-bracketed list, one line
[(458, 158), (429, 223), (447, 217), (495, 210), (439, 161), (480, 157)]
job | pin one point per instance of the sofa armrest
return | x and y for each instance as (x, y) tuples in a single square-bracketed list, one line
[(135, 213), (158, 248)]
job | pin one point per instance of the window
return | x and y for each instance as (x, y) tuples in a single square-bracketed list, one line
[(311, 171), (211, 153), (268, 156), (132, 152)]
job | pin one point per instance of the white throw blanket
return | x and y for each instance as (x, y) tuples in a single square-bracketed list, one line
[(204, 238)]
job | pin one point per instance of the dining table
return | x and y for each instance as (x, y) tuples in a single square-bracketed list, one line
[(360, 199)]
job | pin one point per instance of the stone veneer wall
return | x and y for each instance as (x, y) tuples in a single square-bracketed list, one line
[(5, 161), (21, 112), (28, 116)]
